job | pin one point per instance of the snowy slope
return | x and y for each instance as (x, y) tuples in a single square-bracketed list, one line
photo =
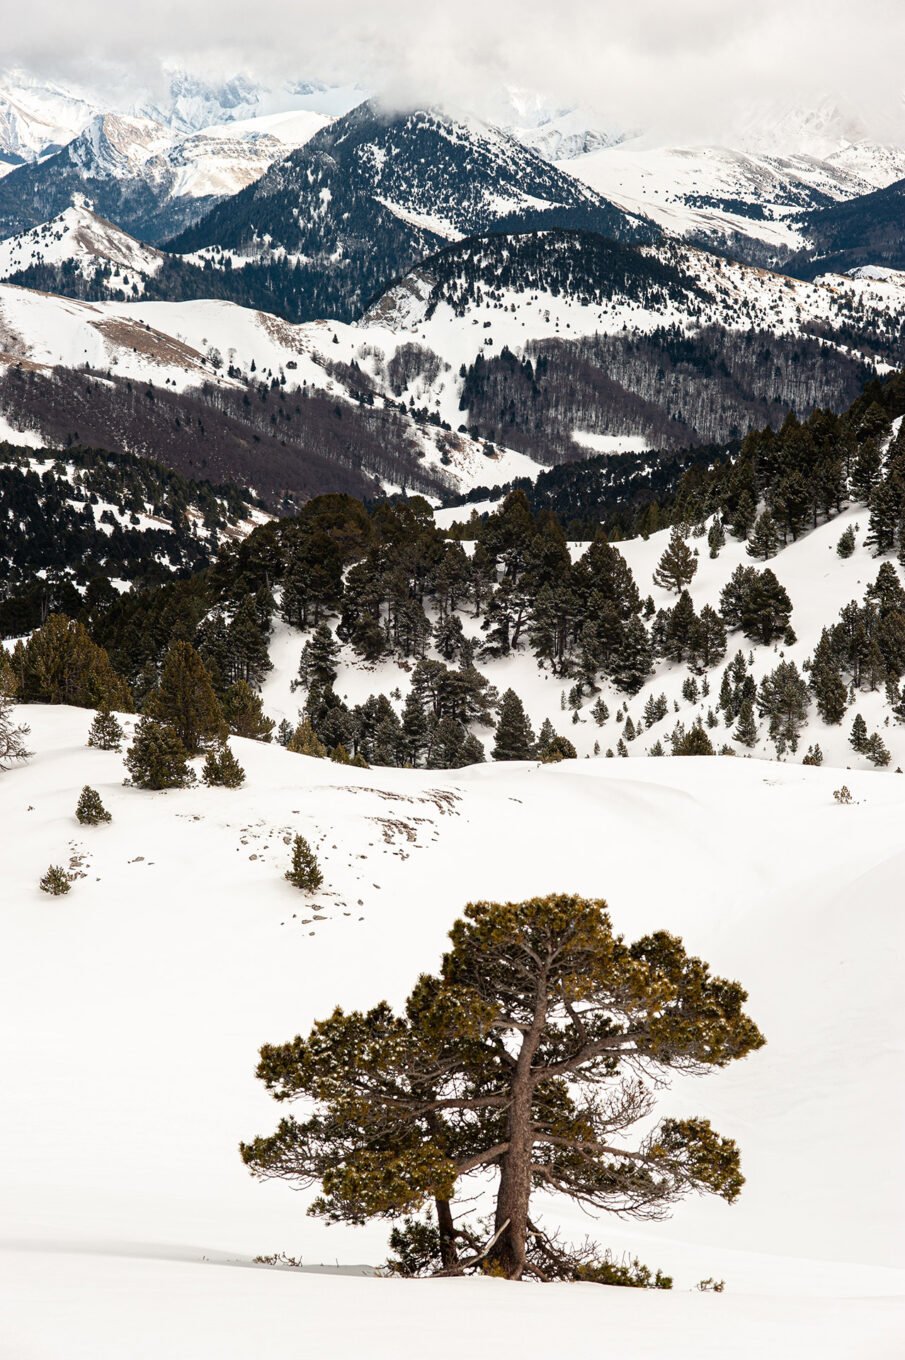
[(184, 345), (78, 237), (818, 582), (718, 194), (140, 999), (438, 308)]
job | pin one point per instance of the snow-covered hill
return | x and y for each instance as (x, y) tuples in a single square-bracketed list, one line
[(750, 201), (819, 584), (185, 346), (135, 1005), (481, 297), (82, 241)]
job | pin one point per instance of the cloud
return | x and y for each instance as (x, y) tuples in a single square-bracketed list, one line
[(688, 68)]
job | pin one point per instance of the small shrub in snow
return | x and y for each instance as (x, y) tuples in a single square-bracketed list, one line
[(846, 545), (89, 810), (843, 795), (55, 881)]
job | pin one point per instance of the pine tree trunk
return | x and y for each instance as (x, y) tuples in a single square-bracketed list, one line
[(448, 1255), (508, 1253)]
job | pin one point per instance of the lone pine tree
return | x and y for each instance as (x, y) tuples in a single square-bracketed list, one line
[(89, 810), (677, 566), (105, 732), (543, 1039), (157, 758), (304, 871)]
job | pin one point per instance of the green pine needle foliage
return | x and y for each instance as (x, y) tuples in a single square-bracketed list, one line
[(90, 811), (304, 871), (221, 768), (56, 881)]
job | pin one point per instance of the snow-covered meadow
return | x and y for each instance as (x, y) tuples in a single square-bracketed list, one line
[(133, 1009)]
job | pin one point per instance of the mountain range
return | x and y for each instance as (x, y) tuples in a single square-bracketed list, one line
[(475, 307)]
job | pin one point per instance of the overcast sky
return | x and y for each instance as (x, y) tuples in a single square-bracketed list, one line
[(686, 65)]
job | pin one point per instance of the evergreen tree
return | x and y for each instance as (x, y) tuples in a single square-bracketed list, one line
[(105, 731), (694, 742), (185, 699), (551, 747), (514, 738), (12, 734), (244, 713), (414, 730), (677, 566), (826, 683), (707, 640), (858, 738), (784, 699), (304, 871), (449, 636), (756, 602), (846, 545), (396, 1108), (55, 881), (875, 750), (221, 768), (248, 654), (655, 709), (59, 664), (305, 741), (746, 728), (716, 537), (763, 541), (157, 758), (632, 660), (90, 811), (317, 664), (599, 712), (885, 513), (814, 755)]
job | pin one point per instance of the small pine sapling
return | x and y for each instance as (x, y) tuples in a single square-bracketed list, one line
[(222, 769), (105, 732), (304, 871), (56, 881), (90, 811)]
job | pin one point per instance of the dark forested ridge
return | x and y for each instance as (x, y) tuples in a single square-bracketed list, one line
[(584, 266), (319, 221), (81, 518), (869, 230), (287, 443), (676, 388)]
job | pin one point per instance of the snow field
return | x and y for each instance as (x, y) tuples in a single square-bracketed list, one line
[(132, 1010)]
